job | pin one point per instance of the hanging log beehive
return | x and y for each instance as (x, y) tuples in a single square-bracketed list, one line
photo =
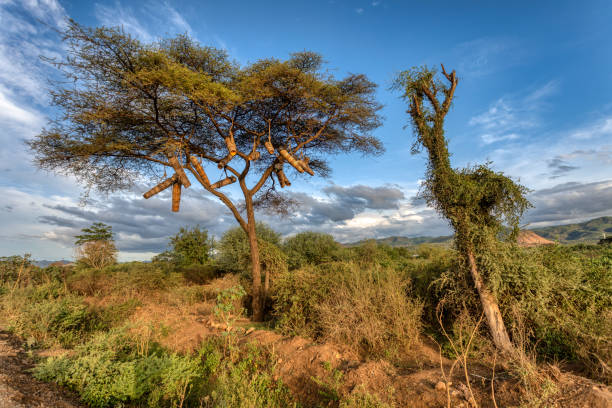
[(231, 144), (269, 147), (254, 155), (160, 187), (282, 178), (179, 171), (291, 160), (199, 171), (224, 182), (176, 196), (304, 164)]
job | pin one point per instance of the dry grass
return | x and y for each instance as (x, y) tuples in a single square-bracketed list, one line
[(370, 312)]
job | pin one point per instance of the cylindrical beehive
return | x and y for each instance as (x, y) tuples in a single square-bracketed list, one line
[(287, 156), (200, 173), (269, 147), (283, 180), (224, 182), (176, 196), (179, 171), (254, 155), (231, 145), (160, 187), (303, 164)]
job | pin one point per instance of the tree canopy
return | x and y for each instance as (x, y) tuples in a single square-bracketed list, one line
[(130, 111), (98, 231)]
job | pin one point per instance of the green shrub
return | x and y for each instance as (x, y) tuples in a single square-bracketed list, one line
[(233, 248), (557, 299), (46, 315), (111, 369), (199, 274), (107, 371), (310, 248), (366, 308), (361, 398)]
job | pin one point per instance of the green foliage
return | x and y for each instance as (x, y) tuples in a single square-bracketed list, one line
[(10, 266), (310, 248), (234, 253), (556, 300), (111, 370), (225, 307), (107, 371), (127, 95), (360, 398), (191, 246), (98, 231), (330, 385), (368, 309), (46, 315)]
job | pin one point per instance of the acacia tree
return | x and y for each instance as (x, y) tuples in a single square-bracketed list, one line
[(476, 201), (133, 110)]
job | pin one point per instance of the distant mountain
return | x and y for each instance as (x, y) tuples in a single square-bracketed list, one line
[(45, 263), (407, 242), (586, 232)]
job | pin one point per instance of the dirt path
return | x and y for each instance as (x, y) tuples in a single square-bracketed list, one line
[(18, 389)]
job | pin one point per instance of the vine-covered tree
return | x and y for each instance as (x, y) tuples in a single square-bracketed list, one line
[(476, 201), (131, 110)]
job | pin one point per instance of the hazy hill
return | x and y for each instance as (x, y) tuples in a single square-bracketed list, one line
[(589, 232)]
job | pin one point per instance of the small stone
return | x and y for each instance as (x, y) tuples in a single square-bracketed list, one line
[(440, 386), (249, 331)]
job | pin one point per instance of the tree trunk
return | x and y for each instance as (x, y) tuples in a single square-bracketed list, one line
[(257, 304), (266, 288), (491, 309)]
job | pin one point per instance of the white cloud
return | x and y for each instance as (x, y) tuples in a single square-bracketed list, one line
[(484, 56), (359, 10), (10, 111), (156, 18), (510, 117), (123, 17)]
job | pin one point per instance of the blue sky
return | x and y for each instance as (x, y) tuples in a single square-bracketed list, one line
[(534, 97)]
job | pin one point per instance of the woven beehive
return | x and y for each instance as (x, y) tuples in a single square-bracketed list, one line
[(282, 178), (291, 160), (254, 155), (199, 171), (224, 182), (179, 171), (176, 196), (305, 166), (231, 145), (269, 147), (160, 187)]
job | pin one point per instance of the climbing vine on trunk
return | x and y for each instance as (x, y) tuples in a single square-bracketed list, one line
[(479, 203)]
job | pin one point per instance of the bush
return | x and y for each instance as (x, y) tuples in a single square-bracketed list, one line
[(234, 251), (112, 369), (365, 308), (199, 274), (45, 315), (96, 254), (190, 246), (310, 248), (559, 296)]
